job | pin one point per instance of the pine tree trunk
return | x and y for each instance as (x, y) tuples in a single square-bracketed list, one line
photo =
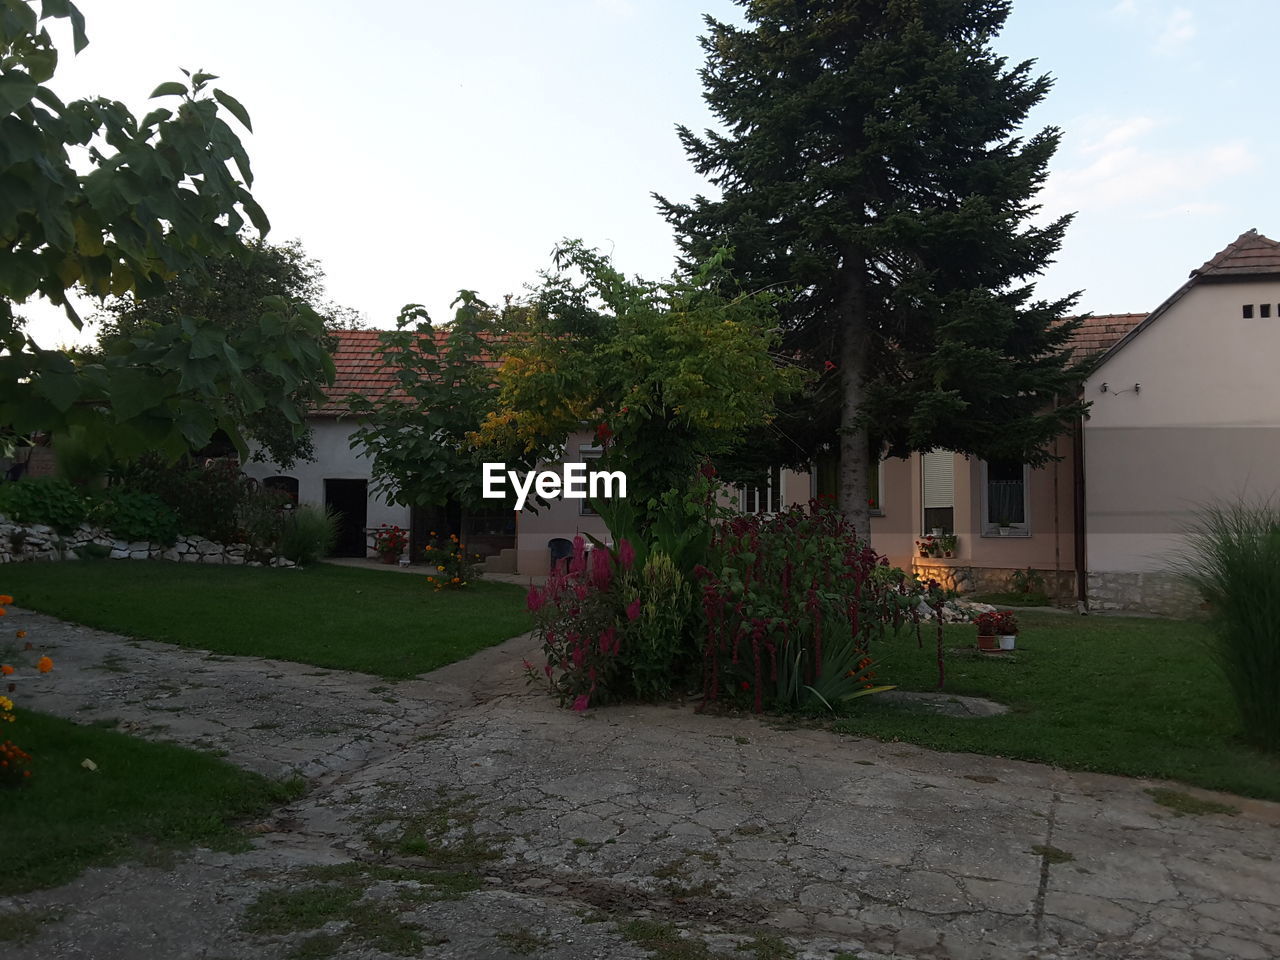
[(854, 444)]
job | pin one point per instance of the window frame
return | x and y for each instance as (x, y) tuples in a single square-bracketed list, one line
[(988, 527), (774, 499), (587, 453)]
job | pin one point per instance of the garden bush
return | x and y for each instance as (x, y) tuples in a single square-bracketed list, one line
[(1233, 560), (309, 534), (208, 499), (54, 503), (131, 515), (792, 607)]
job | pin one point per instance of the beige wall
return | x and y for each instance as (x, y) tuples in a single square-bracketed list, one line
[(1204, 424), (560, 518)]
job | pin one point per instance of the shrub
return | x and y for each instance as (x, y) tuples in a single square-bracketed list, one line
[(579, 616), (54, 503), (793, 607), (659, 606), (208, 499), (309, 534), (15, 763), (131, 515), (390, 538), (1233, 560), (997, 623), (260, 521), (454, 568)]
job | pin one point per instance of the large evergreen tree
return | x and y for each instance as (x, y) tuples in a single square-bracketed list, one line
[(870, 161)]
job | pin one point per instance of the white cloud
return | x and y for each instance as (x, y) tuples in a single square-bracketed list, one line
[(1117, 167), (1170, 30), (1179, 30)]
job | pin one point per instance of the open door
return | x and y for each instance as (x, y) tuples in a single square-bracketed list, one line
[(350, 500)]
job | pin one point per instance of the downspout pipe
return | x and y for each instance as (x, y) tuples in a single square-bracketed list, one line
[(1079, 516)]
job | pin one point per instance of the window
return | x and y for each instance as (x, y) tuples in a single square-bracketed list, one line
[(1006, 498), (1264, 309), (875, 484), (938, 477), (764, 497), (1247, 311), (588, 454)]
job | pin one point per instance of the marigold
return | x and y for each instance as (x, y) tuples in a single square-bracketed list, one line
[(5, 598), (439, 569), (21, 634), (44, 664), (6, 703), (5, 669)]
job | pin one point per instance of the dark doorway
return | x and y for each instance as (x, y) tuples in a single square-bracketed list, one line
[(350, 500)]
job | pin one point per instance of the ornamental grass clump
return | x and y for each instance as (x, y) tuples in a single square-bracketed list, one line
[(1233, 561), (793, 605)]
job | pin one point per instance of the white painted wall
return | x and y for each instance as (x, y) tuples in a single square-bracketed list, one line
[(334, 460), (1204, 424)]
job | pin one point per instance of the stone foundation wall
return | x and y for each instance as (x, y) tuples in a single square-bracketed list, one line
[(963, 578), (21, 542), (1155, 593)]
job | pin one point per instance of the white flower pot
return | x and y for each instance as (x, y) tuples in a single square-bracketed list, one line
[(1009, 641), (1004, 531)]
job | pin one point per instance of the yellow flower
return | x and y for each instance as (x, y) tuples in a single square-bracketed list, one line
[(6, 703), (440, 569)]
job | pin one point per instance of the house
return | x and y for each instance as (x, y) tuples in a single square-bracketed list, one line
[(1185, 408)]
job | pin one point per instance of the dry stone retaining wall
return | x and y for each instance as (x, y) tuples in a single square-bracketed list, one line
[(35, 541)]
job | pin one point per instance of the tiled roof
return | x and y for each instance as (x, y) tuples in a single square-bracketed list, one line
[(1249, 254), (358, 369), (1102, 331)]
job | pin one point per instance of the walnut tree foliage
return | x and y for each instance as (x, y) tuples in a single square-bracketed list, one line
[(421, 434), (667, 374), (94, 199), (869, 159), (228, 294)]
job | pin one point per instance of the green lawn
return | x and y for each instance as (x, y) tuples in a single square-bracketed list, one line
[(1118, 695), (143, 799), (385, 623)]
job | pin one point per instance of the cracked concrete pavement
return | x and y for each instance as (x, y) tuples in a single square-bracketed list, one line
[(726, 828)]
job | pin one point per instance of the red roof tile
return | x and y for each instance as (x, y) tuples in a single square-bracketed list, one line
[(1249, 254), (1102, 331), (358, 369)]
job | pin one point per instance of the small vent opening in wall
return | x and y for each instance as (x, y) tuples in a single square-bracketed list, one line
[(1247, 311), (1264, 309)]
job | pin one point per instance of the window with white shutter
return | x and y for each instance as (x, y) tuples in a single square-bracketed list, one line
[(938, 469)]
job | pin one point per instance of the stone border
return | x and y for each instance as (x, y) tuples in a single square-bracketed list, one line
[(24, 542)]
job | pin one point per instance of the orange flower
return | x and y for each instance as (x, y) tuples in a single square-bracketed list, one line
[(21, 634), (5, 669), (5, 598), (44, 664)]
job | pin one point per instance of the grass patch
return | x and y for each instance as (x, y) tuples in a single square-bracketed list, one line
[(664, 941), (1052, 854), (337, 895), (341, 618), (525, 942), (1183, 804), (144, 798), (1130, 696)]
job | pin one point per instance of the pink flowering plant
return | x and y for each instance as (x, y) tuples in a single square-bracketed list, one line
[(579, 616), (793, 605)]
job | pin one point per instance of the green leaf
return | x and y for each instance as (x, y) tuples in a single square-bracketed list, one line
[(67, 9), (234, 106), (170, 88)]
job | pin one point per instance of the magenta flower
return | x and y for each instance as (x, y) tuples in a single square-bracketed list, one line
[(626, 554), (535, 600), (601, 573), (579, 562), (580, 702), (633, 609)]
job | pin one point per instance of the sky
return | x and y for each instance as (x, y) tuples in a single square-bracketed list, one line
[(418, 148)]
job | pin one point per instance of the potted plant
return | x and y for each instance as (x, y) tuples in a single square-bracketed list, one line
[(947, 544), (1003, 525), (389, 542), (927, 546), (997, 630)]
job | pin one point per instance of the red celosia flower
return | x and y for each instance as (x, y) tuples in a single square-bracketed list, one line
[(828, 366), (580, 702), (633, 609), (626, 554), (534, 600)]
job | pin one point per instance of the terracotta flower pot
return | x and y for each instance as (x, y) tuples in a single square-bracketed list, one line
[(389, 556), (987, 642)]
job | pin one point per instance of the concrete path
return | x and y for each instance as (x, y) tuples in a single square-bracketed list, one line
[(625, 833)]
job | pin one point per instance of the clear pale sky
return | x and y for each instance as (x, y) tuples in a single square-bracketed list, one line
[(420, 147)]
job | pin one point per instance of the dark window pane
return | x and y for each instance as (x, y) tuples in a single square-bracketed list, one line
[(939, 518), (1264, 309), (1247, 311), (1006, 492)]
